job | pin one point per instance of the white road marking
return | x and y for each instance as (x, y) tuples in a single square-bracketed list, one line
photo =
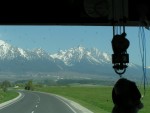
[(61, 101), (37, 96), (66, 104), (10, 102), (39, 99), (73, 104)]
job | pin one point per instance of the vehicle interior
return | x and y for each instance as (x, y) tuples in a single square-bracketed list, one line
[(117, 15), (78, 12)]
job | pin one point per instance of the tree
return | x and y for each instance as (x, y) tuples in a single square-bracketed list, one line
[(5, 85), (29, 85)]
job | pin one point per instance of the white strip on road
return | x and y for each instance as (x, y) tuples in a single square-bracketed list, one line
[(10, 102), (75, 107), (72, 104), (67, 105)]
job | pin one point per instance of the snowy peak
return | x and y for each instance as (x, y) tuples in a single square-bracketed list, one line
[(4, 44), (69, 57), (78, 54), (41, 53), (10, 52), (22, 52), (77, 59), (6, 49), (101, 56)]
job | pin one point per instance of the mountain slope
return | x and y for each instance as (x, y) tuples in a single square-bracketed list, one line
[(78, 54), (77, 59), (15, 59)]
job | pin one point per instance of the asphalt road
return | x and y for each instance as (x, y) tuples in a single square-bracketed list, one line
[(35, 102)]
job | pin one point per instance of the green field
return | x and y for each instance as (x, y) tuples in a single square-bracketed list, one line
[(95, 98), (5, 96)]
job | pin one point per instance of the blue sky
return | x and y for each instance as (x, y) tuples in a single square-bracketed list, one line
[(53, 38)]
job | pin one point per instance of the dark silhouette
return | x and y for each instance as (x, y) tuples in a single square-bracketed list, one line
[(126, 97), (120, 44)]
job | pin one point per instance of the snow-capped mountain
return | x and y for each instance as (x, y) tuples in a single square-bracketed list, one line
[(17, 59), (77, 54), (10, 52), (78, 59)]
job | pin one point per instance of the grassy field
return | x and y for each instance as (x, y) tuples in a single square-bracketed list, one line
[(5, 96), (95, 98)]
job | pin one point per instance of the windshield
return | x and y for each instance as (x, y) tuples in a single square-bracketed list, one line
[(77, 57)]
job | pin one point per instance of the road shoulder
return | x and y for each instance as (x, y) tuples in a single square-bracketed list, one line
[(12, 101)]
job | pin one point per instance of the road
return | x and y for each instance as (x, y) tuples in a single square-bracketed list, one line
[(36, 102)]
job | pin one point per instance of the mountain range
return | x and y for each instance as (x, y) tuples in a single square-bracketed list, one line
[(77, 59)]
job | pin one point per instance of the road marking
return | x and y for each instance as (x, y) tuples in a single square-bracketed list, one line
[(38, 100), (66, 104), (10, 102), (58, 99)]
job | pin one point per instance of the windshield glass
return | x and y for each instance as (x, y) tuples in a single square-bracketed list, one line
[(69, 56)]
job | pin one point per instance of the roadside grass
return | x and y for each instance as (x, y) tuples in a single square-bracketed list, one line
[(5, 96), (95, 98), (145, 100)]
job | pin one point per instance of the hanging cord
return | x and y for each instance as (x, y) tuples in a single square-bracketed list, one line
[(123, 16), (142, 47), (113, 17)]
